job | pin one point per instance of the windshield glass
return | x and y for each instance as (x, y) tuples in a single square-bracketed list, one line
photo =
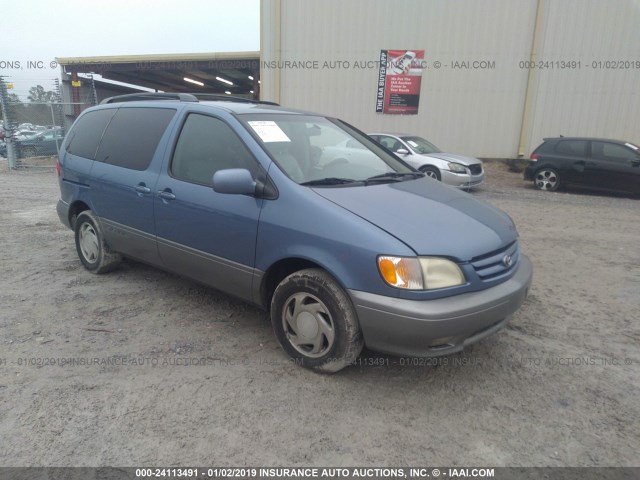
[(420, 145), (320, 151)]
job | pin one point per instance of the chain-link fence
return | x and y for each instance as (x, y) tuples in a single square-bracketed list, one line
[(35, 118)]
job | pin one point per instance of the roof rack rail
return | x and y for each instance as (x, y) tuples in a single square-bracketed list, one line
[(232, 98), (134, 97)]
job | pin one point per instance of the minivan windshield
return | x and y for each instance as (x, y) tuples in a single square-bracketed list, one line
[(420, 145), (319, 151)]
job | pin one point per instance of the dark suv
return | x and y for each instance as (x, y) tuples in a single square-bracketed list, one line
[(601, 164)]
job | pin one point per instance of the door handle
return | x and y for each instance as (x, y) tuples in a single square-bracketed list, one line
[(166, 194), (142, 189)]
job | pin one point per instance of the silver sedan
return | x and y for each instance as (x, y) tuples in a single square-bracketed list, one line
[(457, 170)]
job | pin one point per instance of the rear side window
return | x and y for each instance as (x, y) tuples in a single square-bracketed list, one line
[(87, 132), (132, 136), (573, 148), (206, 145)]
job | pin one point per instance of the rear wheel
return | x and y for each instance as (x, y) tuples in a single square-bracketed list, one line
[(28, 152), (94, 253), (315, 322), (431, 172), (547, 179)]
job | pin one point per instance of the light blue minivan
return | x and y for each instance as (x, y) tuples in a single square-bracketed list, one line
[(244, 197)]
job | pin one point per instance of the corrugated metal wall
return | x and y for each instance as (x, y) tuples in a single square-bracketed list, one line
[(466, 110), (596, 99)]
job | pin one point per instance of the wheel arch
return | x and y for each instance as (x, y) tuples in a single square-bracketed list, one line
[(282, 269), (75, 209), (423, 166)]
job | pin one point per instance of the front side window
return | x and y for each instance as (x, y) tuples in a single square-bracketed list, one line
[(311, 149), (206, 145), (420, 145), (611, 151), (390, 143)]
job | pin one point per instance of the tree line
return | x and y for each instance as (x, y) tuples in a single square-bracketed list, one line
[(35, 110)]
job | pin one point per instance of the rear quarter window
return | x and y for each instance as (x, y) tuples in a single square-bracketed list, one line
[(573, 148), (86, 133), (132, 136)]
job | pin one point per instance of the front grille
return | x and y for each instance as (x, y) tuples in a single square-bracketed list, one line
[(475, 169), (494, 264)]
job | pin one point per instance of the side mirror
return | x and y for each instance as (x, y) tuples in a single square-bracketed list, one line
[(402, 151), (234, 181)]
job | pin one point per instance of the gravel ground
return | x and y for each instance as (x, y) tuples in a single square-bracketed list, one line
[(558, 387)]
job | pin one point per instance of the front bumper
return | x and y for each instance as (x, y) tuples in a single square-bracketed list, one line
[(442, 326), (462, 180)]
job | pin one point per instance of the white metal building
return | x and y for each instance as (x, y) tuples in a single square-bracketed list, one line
[(483, 100)]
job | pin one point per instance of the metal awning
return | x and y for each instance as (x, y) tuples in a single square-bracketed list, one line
[(234, 72)]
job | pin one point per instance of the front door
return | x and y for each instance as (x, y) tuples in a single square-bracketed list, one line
[(202, 234), (614, 166)]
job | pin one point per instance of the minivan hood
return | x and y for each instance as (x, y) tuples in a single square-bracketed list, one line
[(429, 217), (453, 157)]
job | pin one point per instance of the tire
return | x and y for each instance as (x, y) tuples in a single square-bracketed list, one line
[(431, 172), (315, 321), (94, 253), (546, 179)]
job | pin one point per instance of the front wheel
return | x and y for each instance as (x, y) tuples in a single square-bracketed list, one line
[(547, 179), (315, 322), (94, 253), (431, 172)]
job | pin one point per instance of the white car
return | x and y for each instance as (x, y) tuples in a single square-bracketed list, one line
[(457, 170)]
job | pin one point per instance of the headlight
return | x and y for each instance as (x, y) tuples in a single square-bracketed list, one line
[(419, 273), (457, 168), (440, 273)]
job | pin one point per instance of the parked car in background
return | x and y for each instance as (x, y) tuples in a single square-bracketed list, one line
[(595, 163), (3, 149), (44, 143), (457, 170), (24, 135)]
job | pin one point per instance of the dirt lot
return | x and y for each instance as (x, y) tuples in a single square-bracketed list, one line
[(200, 380)]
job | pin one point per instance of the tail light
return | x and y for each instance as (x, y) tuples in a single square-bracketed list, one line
[(534, 157), (58, 167)]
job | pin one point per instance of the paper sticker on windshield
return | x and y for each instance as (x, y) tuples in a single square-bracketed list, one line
[(269, 131), (631, 146), (412, 143)]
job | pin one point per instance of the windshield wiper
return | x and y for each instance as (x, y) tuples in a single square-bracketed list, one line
[(392, 177), (329, 181)]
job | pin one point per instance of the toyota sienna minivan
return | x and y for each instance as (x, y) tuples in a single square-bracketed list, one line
[(242, 196)]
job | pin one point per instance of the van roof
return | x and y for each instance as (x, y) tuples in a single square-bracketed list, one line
[(238, 105)]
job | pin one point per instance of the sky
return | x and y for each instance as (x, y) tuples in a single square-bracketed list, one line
[(38, 31)]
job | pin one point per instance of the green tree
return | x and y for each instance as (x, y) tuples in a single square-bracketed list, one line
[(39, 94), (36, 112)]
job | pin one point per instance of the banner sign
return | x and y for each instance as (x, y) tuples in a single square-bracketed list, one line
[(399, 80)]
